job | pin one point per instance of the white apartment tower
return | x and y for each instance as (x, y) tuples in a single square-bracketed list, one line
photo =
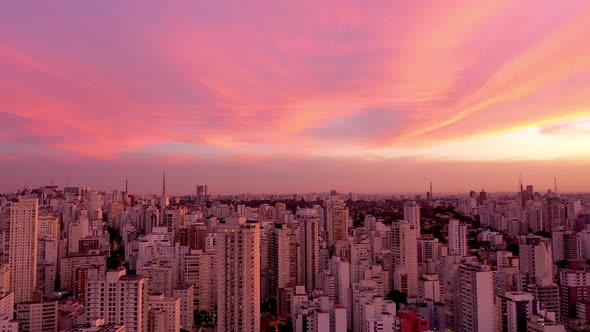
[(118, 298), (457, 238), (308, 265), (535, 258), (186, 294), (238, 276), (476, 298), (23, 248), (412, 213), (170, 307), (405, 257), (282, 258)]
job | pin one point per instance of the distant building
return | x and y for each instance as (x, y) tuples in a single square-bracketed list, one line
[(412, 213), (457, 238), (202, 195)]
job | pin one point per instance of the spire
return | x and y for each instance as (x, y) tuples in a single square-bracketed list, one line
[(430, 188), (126, 186), (555, 184), (520, 182), (164, 184)]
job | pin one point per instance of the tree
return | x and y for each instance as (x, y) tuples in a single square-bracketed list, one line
[(543, 234), (397, 297), (514, 249)]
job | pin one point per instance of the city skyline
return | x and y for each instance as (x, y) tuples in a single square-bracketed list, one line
[(280, 97), (150, 182)]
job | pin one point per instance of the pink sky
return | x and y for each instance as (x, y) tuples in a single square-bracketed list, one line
[(281, 96)]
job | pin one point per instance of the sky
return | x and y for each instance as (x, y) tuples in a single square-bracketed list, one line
[(295, 96)]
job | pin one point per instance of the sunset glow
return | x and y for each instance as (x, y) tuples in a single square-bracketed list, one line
[(241, 86)]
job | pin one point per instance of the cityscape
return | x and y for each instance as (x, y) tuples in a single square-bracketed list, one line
[(76, 259), (294, 166)]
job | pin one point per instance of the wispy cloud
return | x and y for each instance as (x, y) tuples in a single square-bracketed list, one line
[(345, 79)]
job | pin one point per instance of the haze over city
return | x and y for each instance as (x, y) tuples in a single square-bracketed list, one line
[(295, 97)]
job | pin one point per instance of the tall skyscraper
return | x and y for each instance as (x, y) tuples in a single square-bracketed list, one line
[(476, 298), (336, 220), (457, 238), (163, 201), (405, 257), (24, 225), (412, 213), (282, 258), (308, 265), (238, 273)]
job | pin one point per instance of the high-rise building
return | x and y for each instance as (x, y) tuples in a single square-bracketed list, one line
[(514, 310), (574, 285), (377, 314), (48, 225), (22, 253), (555, 213), (336, 220), (405, 257), (282, 258), (71, 264), (168, 309), (428, 249), (412, 213), (546, 292), (202, 194), (6, 306), (162, 275), (37, 316), (457, 238), (118, 298), (318, 315), (429, 288), (238, 276), (566, 244), (308, 268), (200, 270), (186, 294), (535, 258), (476, 312)]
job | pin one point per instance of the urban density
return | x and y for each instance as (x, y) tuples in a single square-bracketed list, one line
[(76, 259), (295, 166)]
